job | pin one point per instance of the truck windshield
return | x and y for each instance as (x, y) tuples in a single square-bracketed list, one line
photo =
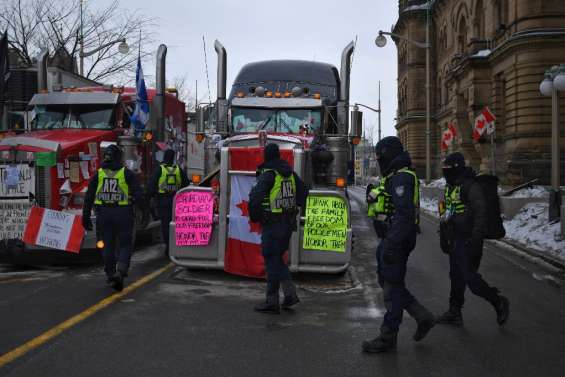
[(73, 116), (284, 120)]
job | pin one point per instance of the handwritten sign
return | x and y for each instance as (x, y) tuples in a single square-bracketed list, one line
[(326, 224), (16, 181), (54, 229), (14, 219), (194, 213)]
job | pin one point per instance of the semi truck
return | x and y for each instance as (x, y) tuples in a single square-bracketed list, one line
[(50, 166), (303, 106)]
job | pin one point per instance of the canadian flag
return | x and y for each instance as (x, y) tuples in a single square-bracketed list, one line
[(484, 122), (54, 229), (448, 137), (243, 254)]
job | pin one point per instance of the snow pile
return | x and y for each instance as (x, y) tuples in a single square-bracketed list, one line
[(481, 54), (530, 227), (429, 205), (531, 192), (438, 183)]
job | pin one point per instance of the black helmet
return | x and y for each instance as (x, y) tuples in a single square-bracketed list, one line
[(387, 150), (169, 157), (112, 153)]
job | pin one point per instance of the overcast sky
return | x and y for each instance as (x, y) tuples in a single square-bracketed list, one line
[(253, 30)]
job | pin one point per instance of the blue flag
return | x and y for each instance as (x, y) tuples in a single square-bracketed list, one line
[(140, 115)]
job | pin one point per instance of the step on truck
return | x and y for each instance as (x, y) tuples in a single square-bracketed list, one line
[(303, 106), (55, 160)]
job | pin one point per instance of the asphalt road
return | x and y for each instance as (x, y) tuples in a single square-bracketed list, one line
[(199, 323)]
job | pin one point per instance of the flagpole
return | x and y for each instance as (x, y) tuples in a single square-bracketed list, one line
[(492, 152)]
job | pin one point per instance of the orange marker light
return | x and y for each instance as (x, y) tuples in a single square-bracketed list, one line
[(317, 96), (340, 182), (196, 179), (100, 244), (200, 138), (355, 140), (278, 94), (148, 136), (269, 94), (240, 94), (286, 94)]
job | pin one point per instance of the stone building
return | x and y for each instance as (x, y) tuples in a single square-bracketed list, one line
[(483, 53)]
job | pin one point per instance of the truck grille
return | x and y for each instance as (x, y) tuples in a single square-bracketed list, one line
[(42, 186)]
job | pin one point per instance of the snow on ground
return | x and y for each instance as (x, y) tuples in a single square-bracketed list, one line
[(530, 227), (531, 192), (429, 205)]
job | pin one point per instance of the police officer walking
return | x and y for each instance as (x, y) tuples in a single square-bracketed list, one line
[(111, 191), (394, 206), (166, 180), (463, 224), (274, 202)]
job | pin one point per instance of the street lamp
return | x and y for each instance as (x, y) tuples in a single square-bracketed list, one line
[(380, 41), (554, 82), (123, 47)]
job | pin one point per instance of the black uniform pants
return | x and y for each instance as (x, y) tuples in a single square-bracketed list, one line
[(165, 213), (464, 264), (115, 225), (275, 238)]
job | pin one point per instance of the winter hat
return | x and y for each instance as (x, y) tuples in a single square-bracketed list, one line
[(271, 152), (387, 150), (453, 167), (169, 157), (112, 153)]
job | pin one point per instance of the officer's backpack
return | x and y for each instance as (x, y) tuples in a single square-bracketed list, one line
[(495, 226)]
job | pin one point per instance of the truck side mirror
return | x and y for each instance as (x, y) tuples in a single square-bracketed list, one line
[(356, 123), (200, 113)]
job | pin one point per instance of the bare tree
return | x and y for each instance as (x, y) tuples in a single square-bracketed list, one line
[(34, 25), (185, 92)]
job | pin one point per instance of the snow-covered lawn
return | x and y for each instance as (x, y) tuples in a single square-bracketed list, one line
[(530, 228)]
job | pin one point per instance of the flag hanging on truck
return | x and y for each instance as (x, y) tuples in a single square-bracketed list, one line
[(140, 115), (243, 254)]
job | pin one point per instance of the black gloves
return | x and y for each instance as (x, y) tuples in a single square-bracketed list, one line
[(381, 228), (443, 238), (86, 222)]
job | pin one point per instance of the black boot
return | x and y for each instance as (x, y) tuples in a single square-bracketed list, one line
[(502, 310), (269, 306), (451, 317), (118, 281), (290, 296), (423, 317), (385, 342)]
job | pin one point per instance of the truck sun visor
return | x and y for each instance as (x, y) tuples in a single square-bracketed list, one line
[(74, 98)]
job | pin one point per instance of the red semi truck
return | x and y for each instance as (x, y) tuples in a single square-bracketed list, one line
[(51, 165)]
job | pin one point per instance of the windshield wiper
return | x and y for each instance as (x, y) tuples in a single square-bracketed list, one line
[(265, 122)]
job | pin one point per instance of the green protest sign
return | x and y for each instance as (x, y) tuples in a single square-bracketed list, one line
[(46, 159), (326, 224)]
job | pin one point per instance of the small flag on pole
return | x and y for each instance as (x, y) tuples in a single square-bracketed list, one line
[(140, 115), (448, 137), (484, 122)]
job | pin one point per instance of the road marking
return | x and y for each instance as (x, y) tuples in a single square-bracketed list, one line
[(60, 328)]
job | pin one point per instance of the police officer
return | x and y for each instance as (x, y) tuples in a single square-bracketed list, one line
[(166, 180), (462, 229), (394, 206), (274, 202), (111, 191)]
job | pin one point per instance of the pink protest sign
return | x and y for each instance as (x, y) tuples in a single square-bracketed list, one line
[(194, 213)]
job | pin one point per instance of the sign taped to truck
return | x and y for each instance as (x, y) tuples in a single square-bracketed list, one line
[(194, 213), (17, 181), (326, 224)]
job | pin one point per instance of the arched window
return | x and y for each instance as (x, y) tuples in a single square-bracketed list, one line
[(479, 21), (462, 36)]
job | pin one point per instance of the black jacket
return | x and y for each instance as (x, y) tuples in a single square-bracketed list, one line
[(153, 184), (265, 182), (472, 223), (134, 189), (402, 227)]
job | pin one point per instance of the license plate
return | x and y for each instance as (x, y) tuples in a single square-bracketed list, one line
[(17, 181)]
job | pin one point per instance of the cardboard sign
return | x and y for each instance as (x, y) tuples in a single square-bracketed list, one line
[(194, 213), (326, 224), (14, 219), (54, 229), (16, 181), (46, 159)]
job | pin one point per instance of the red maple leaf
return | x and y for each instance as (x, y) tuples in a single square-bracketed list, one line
[(244, 208)]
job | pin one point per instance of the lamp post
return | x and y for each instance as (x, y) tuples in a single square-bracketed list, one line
[(553, 83), (123, 48), (381, 42)]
